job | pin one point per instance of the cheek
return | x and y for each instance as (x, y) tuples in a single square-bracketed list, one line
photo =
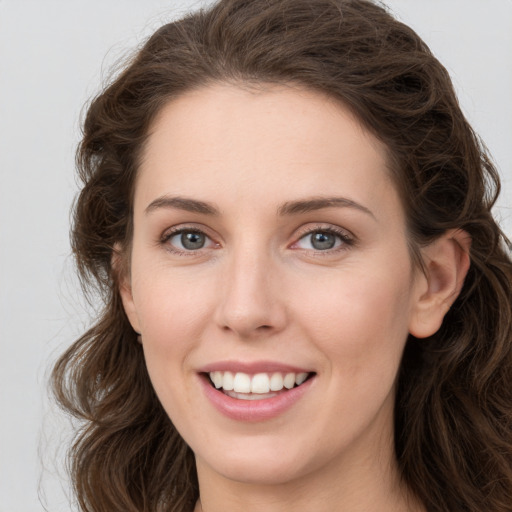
[(171, 323), (360, 322), (169, 302), (171, 314)]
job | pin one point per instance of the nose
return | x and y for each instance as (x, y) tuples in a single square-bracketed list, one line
[(251, 304)]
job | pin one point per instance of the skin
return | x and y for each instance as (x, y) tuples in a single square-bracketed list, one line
[(259, 290)]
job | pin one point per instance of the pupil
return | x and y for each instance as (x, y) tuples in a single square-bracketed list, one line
[(323, 241), (192, 240)]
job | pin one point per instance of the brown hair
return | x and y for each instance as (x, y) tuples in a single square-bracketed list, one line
[(453, 414)]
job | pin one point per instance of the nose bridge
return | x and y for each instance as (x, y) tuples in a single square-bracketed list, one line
[(250, 303)]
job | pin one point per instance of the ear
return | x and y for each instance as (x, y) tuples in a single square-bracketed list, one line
[(121, 269), (446, 263)]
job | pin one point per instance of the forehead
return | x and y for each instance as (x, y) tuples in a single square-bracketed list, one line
[(293, 112), (273, 142)]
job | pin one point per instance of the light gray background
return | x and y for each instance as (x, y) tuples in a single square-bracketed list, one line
[(53, 56)]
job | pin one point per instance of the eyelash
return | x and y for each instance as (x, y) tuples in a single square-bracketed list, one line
[(345, 238), (168, 235)]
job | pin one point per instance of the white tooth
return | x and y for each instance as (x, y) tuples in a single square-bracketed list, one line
[(242, 383), (276, 382), (216, 379), (289, 380), (260, 383), (227, 384), (299, 378)]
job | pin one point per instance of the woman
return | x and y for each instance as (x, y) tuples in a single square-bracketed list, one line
[(307, 300)]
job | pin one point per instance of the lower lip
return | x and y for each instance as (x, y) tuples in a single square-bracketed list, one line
[(254, 410)]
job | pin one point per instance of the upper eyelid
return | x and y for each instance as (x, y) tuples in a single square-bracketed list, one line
[(331, 228), (347, 238), (173, 230)]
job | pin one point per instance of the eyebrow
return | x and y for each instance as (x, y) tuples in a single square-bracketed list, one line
[(318, 203), (182, 203), (288, 208)]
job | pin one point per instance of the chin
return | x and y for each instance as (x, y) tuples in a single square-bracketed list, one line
[(264, 460), (260, 470)]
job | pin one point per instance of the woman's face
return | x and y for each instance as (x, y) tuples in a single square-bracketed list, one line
[(269, 247)]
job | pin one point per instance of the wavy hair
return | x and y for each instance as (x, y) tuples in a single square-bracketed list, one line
[(453, 413)]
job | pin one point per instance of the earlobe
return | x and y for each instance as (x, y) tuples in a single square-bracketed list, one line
[(125, 287), (446, 263)]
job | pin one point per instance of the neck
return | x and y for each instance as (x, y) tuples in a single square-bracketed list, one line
[(354, 484)]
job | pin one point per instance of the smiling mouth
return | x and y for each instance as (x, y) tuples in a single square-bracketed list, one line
[(260, 386)]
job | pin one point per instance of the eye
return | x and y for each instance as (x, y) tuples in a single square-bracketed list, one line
[(323, 240), (188, 240)]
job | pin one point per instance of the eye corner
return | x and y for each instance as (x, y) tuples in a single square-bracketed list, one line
[(187, 240), (328, 239)]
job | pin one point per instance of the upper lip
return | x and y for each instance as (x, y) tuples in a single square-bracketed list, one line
[(252, 367)]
